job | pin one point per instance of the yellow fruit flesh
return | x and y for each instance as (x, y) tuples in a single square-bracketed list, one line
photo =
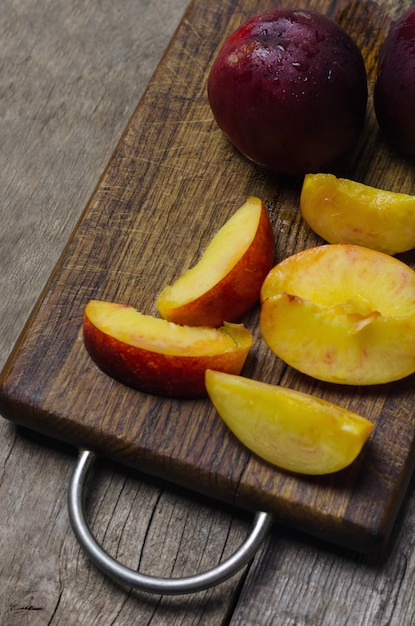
[(342, 313), (345, 211), (292, 430), (157, 335), (335, 274), (220, 256), (338, 344)]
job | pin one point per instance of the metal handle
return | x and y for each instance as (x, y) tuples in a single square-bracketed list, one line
[(143, 582)]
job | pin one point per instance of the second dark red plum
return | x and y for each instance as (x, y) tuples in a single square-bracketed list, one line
[(394, 91), (289, 89)]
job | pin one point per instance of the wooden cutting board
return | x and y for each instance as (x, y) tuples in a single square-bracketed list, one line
[(172, 182)]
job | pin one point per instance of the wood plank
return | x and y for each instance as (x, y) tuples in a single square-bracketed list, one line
[(320, 584), (137, 232), (66, 96), (44, 576)]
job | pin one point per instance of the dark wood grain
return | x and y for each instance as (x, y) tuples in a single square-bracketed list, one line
[(172, 181)]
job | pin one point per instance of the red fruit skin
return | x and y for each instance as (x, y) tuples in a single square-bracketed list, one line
[(239, 289), (394, 90), (154, 372), (289, 89)]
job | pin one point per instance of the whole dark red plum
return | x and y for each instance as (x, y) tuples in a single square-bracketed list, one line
[(394, 91), (289, 89)]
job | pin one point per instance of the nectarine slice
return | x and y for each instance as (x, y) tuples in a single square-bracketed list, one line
[(290, 429), (157, 356), (342, 314), (226, 282), (344, 211)]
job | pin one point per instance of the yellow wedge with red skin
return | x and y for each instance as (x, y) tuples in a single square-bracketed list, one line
[(157, 356), (226, 282)]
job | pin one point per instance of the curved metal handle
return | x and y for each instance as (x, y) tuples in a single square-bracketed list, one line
[(143, 582)]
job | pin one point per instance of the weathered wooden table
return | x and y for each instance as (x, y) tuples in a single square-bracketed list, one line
[(71, 77)]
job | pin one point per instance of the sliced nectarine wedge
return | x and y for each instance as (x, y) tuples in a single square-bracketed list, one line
[(290, 429), (157, 356), (226, 282), (342, 314), (344, 211)]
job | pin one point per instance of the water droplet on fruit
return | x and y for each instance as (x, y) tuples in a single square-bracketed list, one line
[(301, 66)]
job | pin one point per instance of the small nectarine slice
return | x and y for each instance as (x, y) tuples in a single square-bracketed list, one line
[(226, 282), (345, 211), (290, 429), (342, 314), (157, 356)]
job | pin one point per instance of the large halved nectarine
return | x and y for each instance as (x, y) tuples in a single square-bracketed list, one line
[(157, 356), (227, 280), (293, 430), (342, 313)]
